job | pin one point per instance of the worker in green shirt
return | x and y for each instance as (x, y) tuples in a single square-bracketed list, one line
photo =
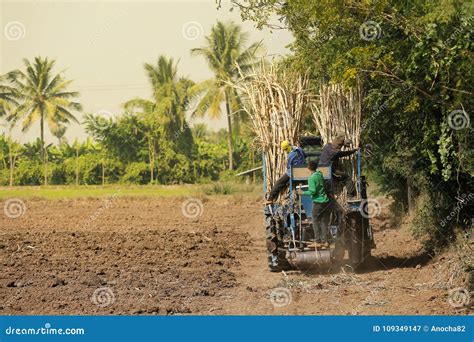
[(321, 206)]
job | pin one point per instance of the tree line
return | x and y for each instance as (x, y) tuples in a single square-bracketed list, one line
[(153, 141)]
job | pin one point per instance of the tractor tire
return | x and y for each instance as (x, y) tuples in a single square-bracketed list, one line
[(354, 239), (276, 254), (367, 251), (359, 252)]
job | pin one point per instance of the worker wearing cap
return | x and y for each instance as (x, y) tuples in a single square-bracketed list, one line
[(296, 157), (330, 154)]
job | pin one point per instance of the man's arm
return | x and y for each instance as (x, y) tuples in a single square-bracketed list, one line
[(344, 153)]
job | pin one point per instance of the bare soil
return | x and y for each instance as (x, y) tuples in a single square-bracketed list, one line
[(143, 256)]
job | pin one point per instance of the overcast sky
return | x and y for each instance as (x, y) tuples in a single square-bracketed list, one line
[(104, 44)]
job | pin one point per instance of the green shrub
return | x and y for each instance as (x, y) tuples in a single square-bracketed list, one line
[(181, 170), (4, 177), (57, 174), (430, 221), (228, 188), (89, 166), (218, 188), (28, 172), (137, 173), (228, 176)]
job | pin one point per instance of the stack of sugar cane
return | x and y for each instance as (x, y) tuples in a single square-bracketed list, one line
[(276, 101), (338, 112)]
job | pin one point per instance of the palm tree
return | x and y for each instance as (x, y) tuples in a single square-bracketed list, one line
[(226, 53), (8, 96), (13, 148), (59, 132), (43, 97), (165, 113), (200, 131), (8, 104)]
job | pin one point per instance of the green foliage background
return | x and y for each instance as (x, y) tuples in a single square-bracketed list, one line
[(415, 61)]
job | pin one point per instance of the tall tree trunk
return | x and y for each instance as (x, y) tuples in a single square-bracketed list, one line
[(410, 196), (11, 175), (254, 174), (11, 161), (77, 164), (11, 158), (45, 166), (151, 157), (43, 154), (229, 137), (103, 173)]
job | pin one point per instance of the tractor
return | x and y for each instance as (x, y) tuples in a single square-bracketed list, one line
[(289, 228)]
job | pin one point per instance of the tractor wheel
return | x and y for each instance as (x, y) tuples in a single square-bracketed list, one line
[(367, 251), (354, 239), (276, 254), (359, 252)]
